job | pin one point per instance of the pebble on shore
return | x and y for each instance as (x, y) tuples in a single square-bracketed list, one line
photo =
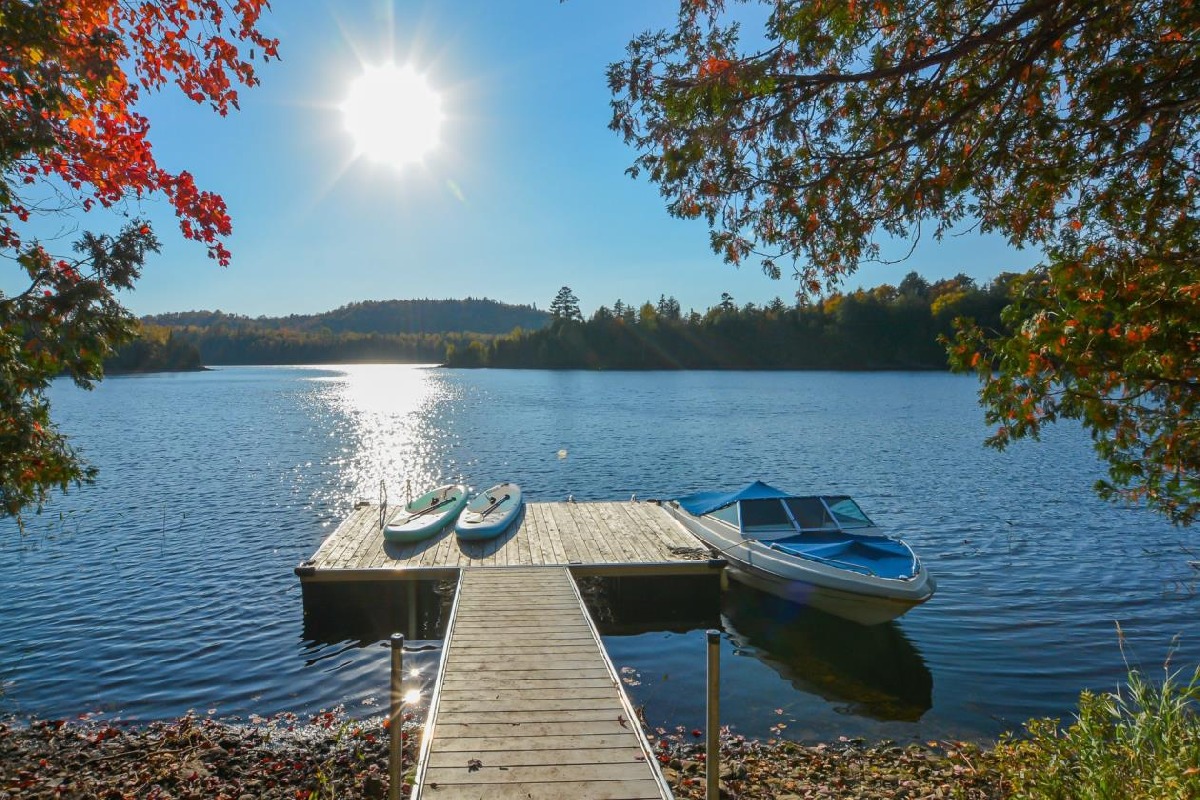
[(330, 755)]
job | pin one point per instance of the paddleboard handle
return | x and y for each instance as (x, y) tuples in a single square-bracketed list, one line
[(436, 504), (494, 505)]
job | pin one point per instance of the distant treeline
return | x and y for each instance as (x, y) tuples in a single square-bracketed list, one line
[(888, 327), (156, 349), (471, 315), (396, 331), (221, 345)]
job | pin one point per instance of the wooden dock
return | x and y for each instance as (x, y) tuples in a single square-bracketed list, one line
[(614, 538), (528, 704)]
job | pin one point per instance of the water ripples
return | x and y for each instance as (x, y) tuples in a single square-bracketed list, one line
[(168, 585)]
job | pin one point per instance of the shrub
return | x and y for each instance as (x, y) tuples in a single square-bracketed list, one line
[(1141, 742)]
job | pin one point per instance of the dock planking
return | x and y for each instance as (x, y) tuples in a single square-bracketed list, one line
[(527, 703), (594, 538)]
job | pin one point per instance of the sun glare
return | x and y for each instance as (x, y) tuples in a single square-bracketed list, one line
[(393, 115)]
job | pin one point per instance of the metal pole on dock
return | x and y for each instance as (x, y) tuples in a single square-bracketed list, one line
[(396, 723), (712, 744), (382, 503)]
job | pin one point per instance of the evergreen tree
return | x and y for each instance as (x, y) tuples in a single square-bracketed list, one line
[(668, 307), (565, 306)]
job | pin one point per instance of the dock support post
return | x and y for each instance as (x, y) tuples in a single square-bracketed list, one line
[(712, 744), (410, 600), (396, 723)]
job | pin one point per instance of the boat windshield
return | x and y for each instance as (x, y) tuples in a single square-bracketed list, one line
[(827, 513), (810, 512), (761, 515), (846, 512)]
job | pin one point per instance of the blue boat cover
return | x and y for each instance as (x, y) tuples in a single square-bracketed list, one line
[(702, 503)]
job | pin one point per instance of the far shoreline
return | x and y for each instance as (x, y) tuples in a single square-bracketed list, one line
[(443, 365), (117, 373)]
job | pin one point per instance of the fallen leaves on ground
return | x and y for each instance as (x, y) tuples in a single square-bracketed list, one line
[(850, 768), (201, 757), (331, 755)]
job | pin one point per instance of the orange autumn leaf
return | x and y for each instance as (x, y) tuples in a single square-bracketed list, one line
[(713, 66)]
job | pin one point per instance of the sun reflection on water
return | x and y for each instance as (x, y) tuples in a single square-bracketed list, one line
[(390, 417)]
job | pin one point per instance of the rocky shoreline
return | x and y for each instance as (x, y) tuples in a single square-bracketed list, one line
[(330, 755), (846, 769)]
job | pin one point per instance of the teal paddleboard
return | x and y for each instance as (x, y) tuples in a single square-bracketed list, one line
[(489, 513), (426, 515)]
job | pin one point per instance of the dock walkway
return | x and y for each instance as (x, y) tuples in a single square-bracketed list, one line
[(528, 704)]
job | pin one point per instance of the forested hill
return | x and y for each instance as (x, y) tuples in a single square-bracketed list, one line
[(404, 331), (378, 317)]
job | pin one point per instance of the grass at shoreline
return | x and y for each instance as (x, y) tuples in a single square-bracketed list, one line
[(1139, 743)]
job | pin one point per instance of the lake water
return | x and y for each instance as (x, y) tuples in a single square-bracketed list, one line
[(168, 585)]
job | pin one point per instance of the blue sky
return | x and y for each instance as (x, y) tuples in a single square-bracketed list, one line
[(526, 192)]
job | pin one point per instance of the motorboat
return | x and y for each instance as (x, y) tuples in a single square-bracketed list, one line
[(818, 550)]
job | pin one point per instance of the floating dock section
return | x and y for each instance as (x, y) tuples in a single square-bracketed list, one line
[(608, 539)]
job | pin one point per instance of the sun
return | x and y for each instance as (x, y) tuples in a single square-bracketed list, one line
[(393, 115)]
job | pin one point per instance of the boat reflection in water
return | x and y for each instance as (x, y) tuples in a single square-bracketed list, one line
[(654, 632), (874, 671)]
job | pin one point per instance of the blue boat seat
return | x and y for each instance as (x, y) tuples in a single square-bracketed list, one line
[(874, 556)]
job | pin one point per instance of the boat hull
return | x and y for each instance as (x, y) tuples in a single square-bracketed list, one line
[(490, 513), (864, 599), (853, 606), (428, 514)]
